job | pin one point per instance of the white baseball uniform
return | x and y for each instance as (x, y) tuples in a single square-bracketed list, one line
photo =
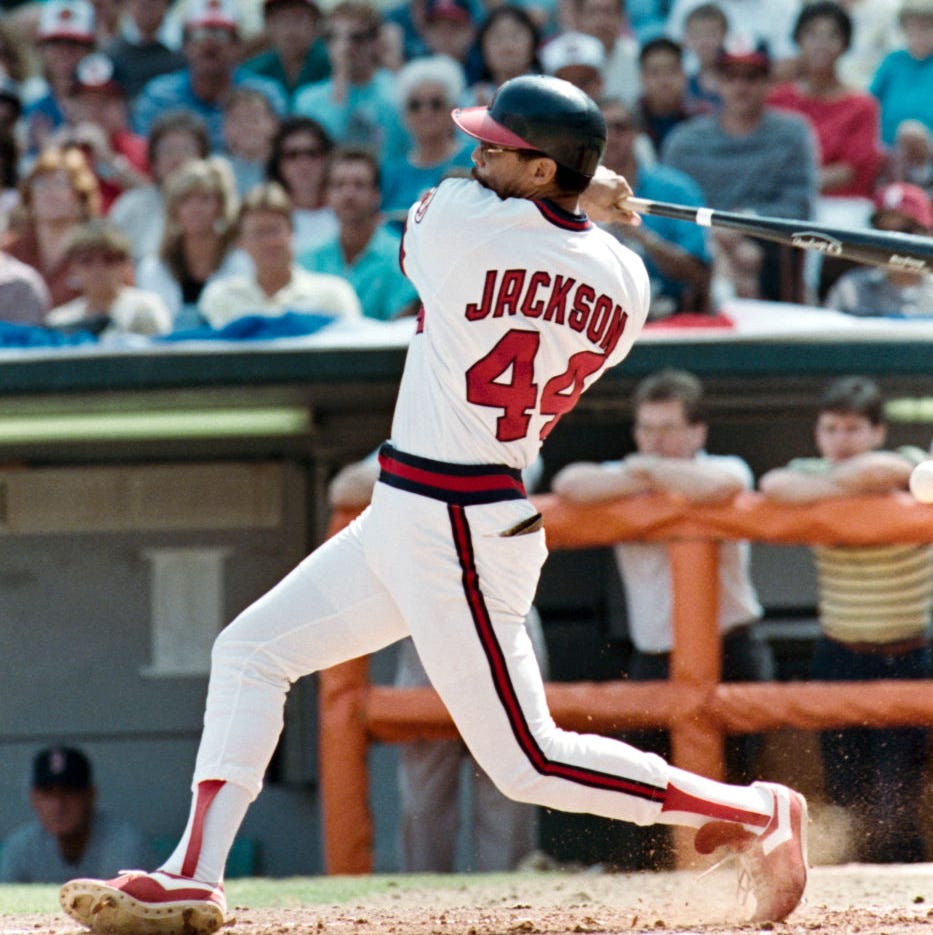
[(524, 307)]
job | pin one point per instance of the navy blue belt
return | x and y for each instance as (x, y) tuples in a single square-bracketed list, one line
[(464, 484)]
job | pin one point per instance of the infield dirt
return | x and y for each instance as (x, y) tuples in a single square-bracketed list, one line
[(864, 899)]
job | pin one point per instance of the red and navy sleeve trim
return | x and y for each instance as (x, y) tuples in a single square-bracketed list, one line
[(560, 218), (464, 484), (506, 690)]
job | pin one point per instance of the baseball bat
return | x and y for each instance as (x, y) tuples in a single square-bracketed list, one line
[(876, 248)]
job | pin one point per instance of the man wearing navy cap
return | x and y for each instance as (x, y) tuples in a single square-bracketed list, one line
[(68, 834)]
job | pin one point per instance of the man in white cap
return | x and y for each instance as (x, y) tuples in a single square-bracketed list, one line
[(211, 49), (577, 58), (65, 35)]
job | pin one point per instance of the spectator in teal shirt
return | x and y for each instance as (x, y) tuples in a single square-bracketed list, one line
[(364, 252), (904, 78), (298, 55), (356, 104)]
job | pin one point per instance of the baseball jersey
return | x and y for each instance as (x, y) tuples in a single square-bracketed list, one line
[(507, 341)]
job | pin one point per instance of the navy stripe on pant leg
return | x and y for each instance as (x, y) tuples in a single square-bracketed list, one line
[(505, 689)]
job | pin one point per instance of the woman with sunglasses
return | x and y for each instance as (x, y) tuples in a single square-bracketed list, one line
[(428, 89), (300, 150)]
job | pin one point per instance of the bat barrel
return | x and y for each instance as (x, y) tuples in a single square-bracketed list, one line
[(907, 252)]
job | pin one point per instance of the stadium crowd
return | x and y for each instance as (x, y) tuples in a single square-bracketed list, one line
[(152, 121)]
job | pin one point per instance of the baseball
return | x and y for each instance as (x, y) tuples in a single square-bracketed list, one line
[(921, 482)]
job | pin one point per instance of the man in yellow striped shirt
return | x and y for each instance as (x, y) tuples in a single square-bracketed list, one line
[(874, 605)]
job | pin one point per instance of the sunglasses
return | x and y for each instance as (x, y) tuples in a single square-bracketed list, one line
[(417, 104), (307, 152)]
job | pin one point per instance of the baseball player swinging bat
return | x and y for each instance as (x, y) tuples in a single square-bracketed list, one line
[(876, 248)]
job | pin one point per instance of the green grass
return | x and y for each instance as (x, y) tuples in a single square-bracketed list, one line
[(258, 893)]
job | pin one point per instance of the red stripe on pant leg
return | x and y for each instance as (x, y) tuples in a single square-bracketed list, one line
[(207, 790), (677, 800), (506, 691)]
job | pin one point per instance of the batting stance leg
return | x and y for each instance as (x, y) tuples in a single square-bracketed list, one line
[(459, 575)]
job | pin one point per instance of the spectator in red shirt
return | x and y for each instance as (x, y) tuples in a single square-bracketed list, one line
[(846, 121)]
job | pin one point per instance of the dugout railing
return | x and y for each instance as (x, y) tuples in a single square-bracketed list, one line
[(697, 709)]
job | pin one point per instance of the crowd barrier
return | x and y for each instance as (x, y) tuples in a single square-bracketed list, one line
[(697, 709)]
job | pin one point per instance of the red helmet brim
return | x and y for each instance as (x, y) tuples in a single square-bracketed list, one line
[(476, 122)]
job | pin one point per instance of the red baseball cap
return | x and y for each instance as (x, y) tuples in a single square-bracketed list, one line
[(911, 201), (740, 50)]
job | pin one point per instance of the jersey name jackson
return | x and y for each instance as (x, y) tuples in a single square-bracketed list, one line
[(551, 297)]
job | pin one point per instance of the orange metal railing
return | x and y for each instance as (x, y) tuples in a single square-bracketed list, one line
[(697, 709)]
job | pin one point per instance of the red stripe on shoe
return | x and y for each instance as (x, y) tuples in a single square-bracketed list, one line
[(207, 790), (676, 800)]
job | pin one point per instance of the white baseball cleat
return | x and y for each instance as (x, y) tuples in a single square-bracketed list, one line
[(139, 903), (773, 864)]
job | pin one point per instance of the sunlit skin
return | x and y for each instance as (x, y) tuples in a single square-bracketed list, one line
[(663, 82), (267, 237), (508, 48), (661, 428), (603, 19), (54, 199), (174, 149), (842, 435), (918, 35), (301, 164)]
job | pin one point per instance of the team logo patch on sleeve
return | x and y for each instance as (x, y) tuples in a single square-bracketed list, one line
[(422, 208)]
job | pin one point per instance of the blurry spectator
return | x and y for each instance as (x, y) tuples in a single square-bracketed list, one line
[(300, 151), (97, 124), (705, 31), (875, 33), (140, 52), (903, 80), (11, 104), (298, 55), (874, 606), (176, 138), (356, 104), (107, 15), (364, 253), (664, 102), (675, 253), (9, 177), (766, 22), (59, 194), (670, 431), (508, 41), (846, 121), (24, 296), (428, 89), (605, 19), (13, 60), (577, 58), (101, 265), (211, 48), (65, 35), (250, 123), (264, 230), (69, 834), (871, 290), (200, 210), (772, 162), (911, 158), (450, 29)]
